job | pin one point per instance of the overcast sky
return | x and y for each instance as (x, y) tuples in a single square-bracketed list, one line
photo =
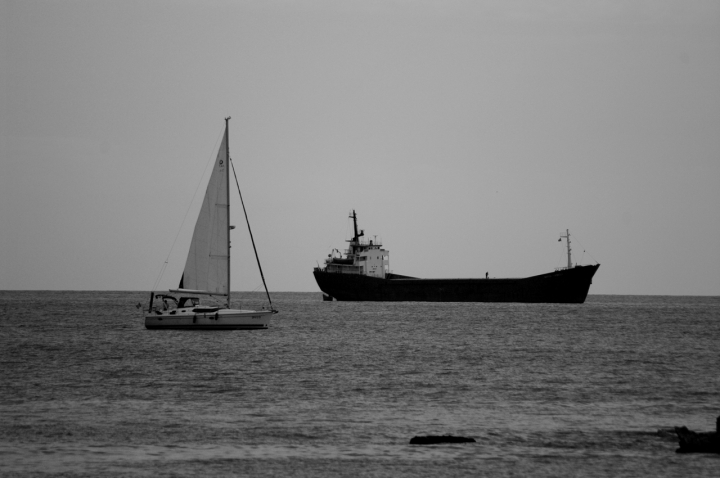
[(467, 135)]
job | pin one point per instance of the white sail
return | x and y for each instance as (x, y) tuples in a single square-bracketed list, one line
[(207, 263)]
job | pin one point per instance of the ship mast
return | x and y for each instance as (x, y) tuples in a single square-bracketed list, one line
[(567, 236), (356, 237)]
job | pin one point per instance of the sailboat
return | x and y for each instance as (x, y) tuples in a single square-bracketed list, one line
[(207, 269)]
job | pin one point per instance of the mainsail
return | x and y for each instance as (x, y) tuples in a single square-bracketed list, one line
[(207, 263)]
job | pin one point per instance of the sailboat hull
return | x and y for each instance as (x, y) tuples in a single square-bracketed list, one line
[(222, 319)]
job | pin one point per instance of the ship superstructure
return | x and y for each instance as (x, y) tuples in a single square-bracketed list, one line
[(362, 257)]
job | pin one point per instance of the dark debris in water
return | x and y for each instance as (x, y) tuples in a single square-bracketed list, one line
[(435, 439)]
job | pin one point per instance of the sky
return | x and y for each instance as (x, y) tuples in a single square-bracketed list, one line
[(467, 135)]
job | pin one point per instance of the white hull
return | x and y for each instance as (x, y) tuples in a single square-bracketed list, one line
[(221, 319)]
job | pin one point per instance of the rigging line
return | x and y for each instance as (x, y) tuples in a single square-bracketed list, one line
[(162, 271), (257, 258), (160, 274), (581, 244)]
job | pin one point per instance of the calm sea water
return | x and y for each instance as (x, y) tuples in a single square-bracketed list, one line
[(338, 389)]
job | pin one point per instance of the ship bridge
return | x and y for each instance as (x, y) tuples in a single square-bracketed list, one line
[(364, 257)]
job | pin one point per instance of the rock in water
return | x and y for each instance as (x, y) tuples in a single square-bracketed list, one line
[(434, 439), (694, 442)]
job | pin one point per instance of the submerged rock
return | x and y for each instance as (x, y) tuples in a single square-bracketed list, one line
[(698, 442), (434, 439)]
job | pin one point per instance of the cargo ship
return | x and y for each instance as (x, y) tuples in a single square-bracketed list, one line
[(362, 273)]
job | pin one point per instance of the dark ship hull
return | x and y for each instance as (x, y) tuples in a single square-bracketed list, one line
[(568, 286)]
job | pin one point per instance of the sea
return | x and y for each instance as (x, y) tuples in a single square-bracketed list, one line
[(340, 388)]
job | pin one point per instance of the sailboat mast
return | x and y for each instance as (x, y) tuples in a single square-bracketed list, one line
[(227, 192)]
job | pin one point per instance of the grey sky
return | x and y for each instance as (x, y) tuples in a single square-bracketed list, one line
[(466, 134)]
